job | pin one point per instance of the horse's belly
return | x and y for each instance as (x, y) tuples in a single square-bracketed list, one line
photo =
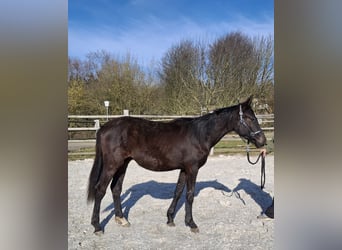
[(156, 164)]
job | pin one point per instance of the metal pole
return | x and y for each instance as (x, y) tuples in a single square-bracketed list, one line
[(106, 103)]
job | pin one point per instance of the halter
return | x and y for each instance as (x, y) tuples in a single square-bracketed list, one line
[(242, 121), (252, 134)]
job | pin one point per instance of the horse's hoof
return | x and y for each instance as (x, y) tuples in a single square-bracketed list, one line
[(171, 224), (98, 232), (122, 221), (195, 229), (263, 216)]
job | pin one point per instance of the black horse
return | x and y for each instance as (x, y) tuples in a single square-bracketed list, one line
[(182, 144)]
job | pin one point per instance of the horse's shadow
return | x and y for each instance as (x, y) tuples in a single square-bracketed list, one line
[(157, 190), (165, 191), (262, 198)]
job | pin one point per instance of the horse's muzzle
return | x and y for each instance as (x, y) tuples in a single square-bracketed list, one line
[(259, 140)]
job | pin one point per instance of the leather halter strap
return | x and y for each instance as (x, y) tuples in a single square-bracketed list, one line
[(243, 122)]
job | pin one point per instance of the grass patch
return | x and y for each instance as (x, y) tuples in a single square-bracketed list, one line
[(233, 147), (81, 154)]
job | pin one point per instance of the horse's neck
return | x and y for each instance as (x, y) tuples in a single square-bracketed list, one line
[(222, 124)]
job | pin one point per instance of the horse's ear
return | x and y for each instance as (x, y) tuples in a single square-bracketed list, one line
[(248, 102)]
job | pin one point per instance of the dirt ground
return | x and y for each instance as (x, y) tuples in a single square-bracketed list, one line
[(227, 201)]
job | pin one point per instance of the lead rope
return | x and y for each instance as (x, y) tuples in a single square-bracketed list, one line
[(263, 173)]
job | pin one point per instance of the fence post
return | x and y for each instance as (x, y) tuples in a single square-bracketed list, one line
[(96, 126), (126, 112)]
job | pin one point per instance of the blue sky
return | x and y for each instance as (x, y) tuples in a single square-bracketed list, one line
[(148, 28)]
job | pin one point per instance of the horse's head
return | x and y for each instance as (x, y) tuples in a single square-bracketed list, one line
[(247, 125)]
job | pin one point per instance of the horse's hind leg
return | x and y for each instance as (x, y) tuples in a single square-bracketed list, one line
[(100, 192), (116, 188), (177, 195)]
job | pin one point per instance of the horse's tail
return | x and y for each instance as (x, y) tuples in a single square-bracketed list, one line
[(95, 171)]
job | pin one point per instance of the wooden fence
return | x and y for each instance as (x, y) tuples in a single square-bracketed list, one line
[(76, 125)]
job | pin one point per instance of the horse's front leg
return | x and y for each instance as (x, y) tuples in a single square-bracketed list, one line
[(177, 195), (190, 184)]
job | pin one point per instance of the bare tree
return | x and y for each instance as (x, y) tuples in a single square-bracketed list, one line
[(178, 76), (233, 66), (193, 76), (200, 76)]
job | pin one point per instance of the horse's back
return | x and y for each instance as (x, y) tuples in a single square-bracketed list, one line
[(158, 146)]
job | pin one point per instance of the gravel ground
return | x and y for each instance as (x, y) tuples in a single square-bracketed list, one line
[(227, 201)]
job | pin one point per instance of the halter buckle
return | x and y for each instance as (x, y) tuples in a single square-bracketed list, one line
[(241, 113)]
